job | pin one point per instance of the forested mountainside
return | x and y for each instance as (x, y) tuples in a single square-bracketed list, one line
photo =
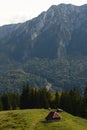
[(50, 49)]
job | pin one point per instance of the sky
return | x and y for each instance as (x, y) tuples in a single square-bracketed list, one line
[(15, 11)]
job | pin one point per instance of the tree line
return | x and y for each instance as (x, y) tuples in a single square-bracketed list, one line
[(70, 101)]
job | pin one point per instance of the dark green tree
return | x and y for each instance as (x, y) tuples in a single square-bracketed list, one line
[(64, 101), (44, 101), (32, 98), (71, 101), (5, 101), (75, 103), (57, 100), (25, 97), (14, 100), (85, 103), (1, 106), (85, 97)]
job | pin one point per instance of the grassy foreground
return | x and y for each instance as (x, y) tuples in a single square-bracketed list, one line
[(35, 119)]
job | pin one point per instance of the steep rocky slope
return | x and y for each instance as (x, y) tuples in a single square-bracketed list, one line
[(59, 34)]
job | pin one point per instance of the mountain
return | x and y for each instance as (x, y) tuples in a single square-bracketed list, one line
[(52, 34), (60, 35)]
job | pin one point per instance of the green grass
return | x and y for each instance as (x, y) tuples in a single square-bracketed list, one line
[(34, 119)]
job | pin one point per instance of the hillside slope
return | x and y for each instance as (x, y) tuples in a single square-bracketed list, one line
[(51, 48), (35, 119)]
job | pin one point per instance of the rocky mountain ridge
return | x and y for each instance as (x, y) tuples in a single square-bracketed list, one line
[(60, 33), (46, 36)]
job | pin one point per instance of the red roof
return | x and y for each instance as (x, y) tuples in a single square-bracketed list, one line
[(53, 116)]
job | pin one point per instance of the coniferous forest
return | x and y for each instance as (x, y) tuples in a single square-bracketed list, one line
[(70, 101)]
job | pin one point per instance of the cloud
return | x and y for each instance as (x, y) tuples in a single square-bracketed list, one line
[(19, 18)]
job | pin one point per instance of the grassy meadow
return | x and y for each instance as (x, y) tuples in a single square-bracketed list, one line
[(35, 119)]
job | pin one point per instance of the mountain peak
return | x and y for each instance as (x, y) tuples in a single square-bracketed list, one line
[(47, 35), (60, 34)]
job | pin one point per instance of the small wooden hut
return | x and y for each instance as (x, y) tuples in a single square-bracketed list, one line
[(52, 116)]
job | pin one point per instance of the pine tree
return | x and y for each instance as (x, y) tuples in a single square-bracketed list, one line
[(64, 101), (44, 98), (14, 100), (85, 103), (75, 104), (85, 97), (32, 98), (5, 102), (25, 98), (1, 106), (56, 100)]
